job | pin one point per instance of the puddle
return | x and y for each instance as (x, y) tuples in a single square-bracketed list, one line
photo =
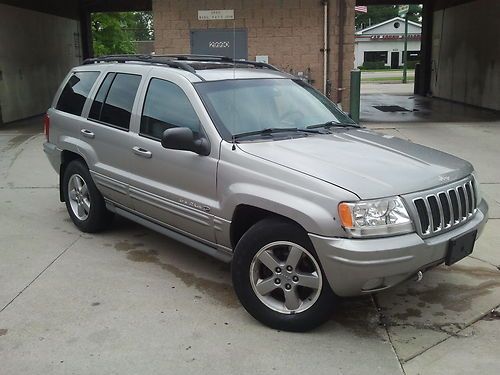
[(359, 315), (454, 297), (16, 141), (126, 246), (222, 293), (479, 272), (410, 313)]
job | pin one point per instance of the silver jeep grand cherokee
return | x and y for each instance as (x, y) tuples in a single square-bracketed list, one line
[(252, 166)]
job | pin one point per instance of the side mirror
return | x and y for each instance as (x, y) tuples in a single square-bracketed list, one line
[(183, 139)]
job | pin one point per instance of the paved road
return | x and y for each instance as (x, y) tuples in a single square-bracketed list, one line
[(129, 301), (367, 74)]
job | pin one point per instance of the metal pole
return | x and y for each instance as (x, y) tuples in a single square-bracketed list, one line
[(355, 94), (405, 53)]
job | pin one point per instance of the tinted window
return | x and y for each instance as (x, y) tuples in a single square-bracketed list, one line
[(75, 92), (118, 102), (95, 110), (166, 106)]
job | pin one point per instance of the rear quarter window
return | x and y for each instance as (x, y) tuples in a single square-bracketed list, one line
[(76, 91), (115, 99)]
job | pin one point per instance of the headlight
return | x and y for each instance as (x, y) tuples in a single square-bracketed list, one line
[(387, 216)]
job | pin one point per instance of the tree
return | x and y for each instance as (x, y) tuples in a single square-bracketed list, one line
[(110, 34), (381, 13), (143, 26)]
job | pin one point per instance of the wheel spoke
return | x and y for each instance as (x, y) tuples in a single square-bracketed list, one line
[(294, 256), (86, 205), (309, 280), (78, 183), (268, 260), (292, 300), (85, 190), (81, 211), (266, 286), (72, 195)]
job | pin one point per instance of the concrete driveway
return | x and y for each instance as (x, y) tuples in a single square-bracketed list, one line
[(129, 301)]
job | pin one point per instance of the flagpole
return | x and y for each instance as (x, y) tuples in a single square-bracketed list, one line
[(405, 53)]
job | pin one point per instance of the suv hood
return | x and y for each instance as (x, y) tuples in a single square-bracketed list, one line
[(368, 164)]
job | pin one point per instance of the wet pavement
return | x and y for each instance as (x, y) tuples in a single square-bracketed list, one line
[(414, 108), (131, 301)]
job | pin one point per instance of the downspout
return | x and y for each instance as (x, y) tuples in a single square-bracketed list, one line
[(326, 48), (340, 78)]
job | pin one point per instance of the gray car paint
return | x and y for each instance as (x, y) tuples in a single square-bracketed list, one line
[(365, 162), (303, 179)]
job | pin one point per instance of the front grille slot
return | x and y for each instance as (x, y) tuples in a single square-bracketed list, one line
[(470, 198), (454, 206), (445, 203), (445, 209), (422, 214), (463, 203), (435, 212)]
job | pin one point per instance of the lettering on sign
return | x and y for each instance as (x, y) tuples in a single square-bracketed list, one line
[(219, 44), (219, 14)]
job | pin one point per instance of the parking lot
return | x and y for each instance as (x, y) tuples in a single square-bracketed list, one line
[(129, 301)]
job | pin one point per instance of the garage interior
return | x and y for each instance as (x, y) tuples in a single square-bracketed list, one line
[(40, 41), (460, 62)]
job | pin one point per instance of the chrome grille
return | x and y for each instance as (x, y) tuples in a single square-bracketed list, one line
[(445, 208)]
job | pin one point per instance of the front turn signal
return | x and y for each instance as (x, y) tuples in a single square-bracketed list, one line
[(345, 215)]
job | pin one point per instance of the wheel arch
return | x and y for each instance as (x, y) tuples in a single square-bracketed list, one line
[(245, 216), (67, 157)]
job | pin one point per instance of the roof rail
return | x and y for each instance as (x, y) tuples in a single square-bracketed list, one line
[(215, 58), (141, 58), (177, 61)]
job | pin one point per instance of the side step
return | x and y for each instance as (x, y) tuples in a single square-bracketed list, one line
[(220, 254)]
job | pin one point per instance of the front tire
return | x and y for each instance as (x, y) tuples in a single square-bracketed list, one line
[(278, 279), (84, 202)]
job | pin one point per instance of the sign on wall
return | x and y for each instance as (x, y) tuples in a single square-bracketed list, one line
[(214, 14)]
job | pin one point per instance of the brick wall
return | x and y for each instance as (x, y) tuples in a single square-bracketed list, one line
[(290, 32)]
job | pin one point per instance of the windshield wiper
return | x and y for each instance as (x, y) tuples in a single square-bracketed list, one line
[(275, 130), (331, 124)]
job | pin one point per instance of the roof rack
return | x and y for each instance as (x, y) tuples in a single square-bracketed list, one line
[(177, 61), (224, 59), (141, 58)]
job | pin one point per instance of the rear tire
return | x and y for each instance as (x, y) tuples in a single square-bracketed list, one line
[(84, 202), (278, 278)]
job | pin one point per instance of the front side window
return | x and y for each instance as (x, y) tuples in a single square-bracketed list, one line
[(76, 91), (115, 99), (251, 105), (166, 106)]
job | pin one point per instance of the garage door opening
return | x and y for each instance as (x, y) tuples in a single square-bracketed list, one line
[(386, 45)]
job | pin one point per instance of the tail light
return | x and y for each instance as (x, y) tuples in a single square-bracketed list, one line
[(46, 126)]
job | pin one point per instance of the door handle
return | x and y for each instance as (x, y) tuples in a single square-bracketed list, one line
[(142, 152), (87, 133)]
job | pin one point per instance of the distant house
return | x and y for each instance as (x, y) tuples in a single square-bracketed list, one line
[(382, 45)]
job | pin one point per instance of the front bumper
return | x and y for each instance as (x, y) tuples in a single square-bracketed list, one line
[(357, 266)]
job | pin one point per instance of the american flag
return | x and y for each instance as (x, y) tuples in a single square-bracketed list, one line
[(361, 9)]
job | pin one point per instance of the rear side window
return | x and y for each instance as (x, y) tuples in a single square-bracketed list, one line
[(166, 106), (115, 99), (76, 91)]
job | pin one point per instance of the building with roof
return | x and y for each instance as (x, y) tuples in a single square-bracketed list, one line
[(382, 45)]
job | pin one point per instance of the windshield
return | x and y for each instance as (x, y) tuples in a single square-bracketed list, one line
[(252, 105)]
